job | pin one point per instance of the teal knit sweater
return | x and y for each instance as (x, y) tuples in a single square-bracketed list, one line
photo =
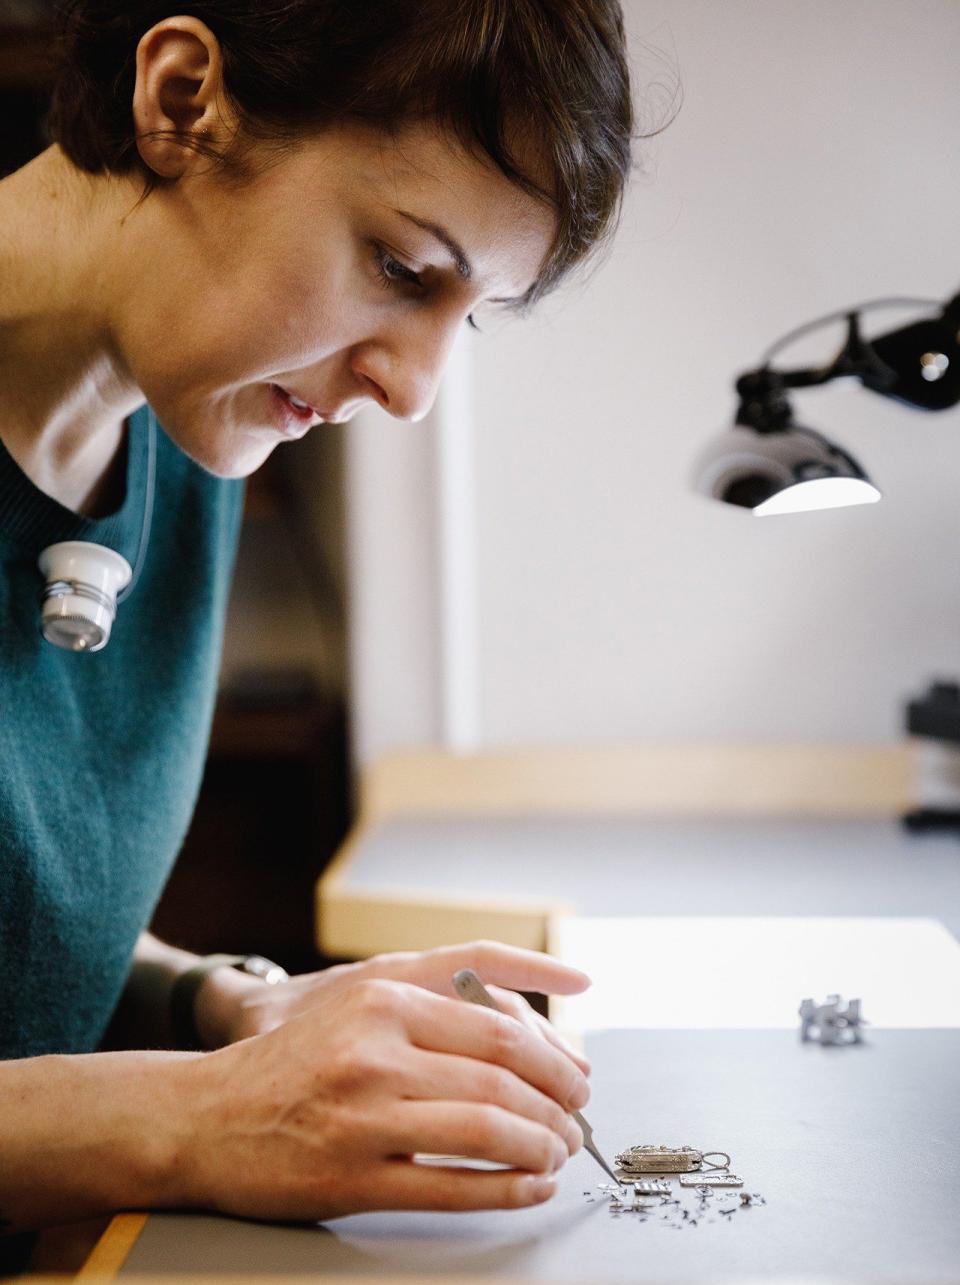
[(101, 754)]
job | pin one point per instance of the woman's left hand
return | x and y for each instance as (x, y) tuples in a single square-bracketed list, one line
[(238, 1007)]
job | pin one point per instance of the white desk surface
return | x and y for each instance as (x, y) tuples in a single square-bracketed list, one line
[(751, 972)]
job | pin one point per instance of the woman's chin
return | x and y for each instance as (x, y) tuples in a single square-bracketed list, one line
[(230, 460)]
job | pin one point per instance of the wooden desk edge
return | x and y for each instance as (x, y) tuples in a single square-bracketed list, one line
[(669, 780), (705, 779), (356, 923), (112, 1249)]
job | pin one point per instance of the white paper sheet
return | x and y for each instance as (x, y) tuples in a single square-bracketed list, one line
[(751, 973)]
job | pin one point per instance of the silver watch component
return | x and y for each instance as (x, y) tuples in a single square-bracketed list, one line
[(646, 1158), (718, 1179)]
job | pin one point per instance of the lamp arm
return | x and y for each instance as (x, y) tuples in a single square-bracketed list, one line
[(856, 358), (763, 405), (808, 378), (810, 326), (917, 364)]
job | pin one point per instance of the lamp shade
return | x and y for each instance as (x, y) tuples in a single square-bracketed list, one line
[(789, 470)]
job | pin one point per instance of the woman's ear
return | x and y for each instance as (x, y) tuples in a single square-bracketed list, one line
[(179, 96)]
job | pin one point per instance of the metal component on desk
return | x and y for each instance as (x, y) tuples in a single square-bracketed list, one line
[(469, 987), (833, 1022), (721, 1178), (710, 1197), (652, 1187), (646, 1158)]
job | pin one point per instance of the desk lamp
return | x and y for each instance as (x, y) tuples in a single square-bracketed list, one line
[(770, 464)]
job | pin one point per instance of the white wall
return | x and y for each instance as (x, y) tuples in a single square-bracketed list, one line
[(412, 574), (813, 165)]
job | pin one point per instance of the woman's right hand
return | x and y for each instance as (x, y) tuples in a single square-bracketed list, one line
[(322, 1116)]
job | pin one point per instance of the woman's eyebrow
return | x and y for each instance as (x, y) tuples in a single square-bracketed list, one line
[(457, 253)]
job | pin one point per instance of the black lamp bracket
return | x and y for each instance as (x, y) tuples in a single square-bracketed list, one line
[(763, 402)]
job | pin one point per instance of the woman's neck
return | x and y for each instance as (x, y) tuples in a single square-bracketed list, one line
[(64, 392)]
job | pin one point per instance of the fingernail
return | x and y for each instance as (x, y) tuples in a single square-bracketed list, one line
[(560, 1156), (580, 1095), (574, 1137), (539, 1188)]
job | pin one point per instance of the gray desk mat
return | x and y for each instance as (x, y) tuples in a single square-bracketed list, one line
[(855, 1151), (672, 866)]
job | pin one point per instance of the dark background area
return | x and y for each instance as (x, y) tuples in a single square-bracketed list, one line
[(275, 799)]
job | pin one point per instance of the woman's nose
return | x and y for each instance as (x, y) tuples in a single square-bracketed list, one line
[(403, 370)]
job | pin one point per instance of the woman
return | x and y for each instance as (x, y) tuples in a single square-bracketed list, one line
[(256, 218)]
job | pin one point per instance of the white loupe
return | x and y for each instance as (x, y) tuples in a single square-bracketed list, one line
[(80, 599)]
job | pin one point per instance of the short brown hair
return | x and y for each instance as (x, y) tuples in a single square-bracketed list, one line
[(494, 71)]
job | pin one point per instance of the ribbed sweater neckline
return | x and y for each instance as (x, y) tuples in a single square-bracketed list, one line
[(31, 519)]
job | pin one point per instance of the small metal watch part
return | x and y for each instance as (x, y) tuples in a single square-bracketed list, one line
[(713, 1179), (652, 1187), (650, 1159), (833, 1022), (708, 1202)]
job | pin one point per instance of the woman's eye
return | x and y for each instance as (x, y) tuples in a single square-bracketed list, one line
[(392, 271)]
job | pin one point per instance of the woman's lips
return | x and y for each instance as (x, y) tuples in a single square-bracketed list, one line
[(293, 420)]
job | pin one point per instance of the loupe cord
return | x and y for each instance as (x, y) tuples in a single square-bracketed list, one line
[(149, 490)]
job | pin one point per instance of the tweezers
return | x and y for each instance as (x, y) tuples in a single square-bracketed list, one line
[(469, 987)]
